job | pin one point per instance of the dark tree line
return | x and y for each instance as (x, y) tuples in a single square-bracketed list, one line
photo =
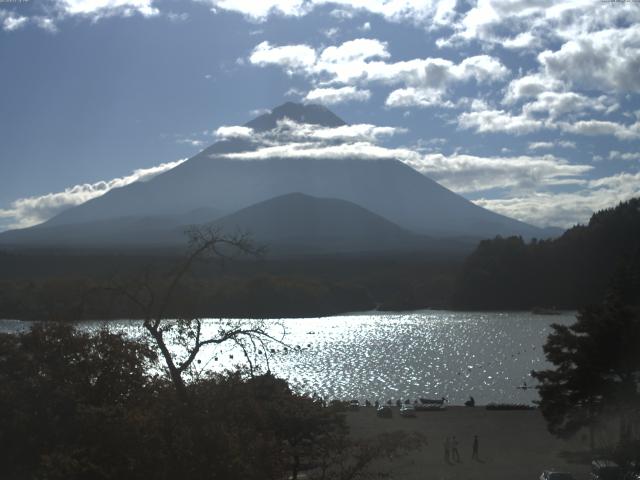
[(568, 272)]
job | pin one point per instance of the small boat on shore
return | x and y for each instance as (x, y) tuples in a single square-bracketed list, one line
[(545, 311), (431, 404)]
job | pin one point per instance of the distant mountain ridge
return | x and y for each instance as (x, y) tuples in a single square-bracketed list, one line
[(386, 188)]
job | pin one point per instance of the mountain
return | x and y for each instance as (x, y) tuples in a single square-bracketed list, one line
[(299, 223), (210, 180), (301, 113)]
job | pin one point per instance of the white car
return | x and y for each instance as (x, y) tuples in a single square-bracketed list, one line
[(407, 410)]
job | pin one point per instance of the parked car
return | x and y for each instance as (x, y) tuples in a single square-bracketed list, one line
[(605, 470), (555, 475), (407, 410), (354, 405), (384, 411)]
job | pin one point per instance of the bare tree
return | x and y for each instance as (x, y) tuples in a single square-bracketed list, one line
[(251, 336)]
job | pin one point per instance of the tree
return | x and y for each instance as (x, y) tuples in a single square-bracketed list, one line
[(67, 403), (597, 369), (187, 333)]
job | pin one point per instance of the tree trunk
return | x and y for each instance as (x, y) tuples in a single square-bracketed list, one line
[(174, 373)]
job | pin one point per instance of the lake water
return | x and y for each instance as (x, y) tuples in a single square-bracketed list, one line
[(383, 356)]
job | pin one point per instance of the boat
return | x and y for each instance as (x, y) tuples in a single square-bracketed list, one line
[(545, 311)]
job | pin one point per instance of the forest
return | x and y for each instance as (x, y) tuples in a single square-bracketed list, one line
[(509, 273), (569, 272)]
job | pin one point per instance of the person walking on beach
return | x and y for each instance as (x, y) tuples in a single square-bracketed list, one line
[(454, 450), (474, 455), (447, 451)]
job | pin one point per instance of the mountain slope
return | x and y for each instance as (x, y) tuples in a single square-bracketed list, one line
[(385, 187), (301, 223), (132, 231)]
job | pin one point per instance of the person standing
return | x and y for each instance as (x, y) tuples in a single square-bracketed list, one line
[(455, 455), (474, 455)]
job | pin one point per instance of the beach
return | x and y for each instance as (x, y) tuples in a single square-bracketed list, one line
[(513, 445)]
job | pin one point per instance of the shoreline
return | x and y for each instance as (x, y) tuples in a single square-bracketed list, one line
[(315, 316)]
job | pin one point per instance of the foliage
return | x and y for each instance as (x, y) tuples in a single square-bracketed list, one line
[(76, 406), (568, 272), (596, 369), (65, 286), (70, 402)]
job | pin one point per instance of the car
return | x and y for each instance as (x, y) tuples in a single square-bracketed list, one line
[(555, 475), (384, 411), (354, 405), (407, 410), (605, 470)]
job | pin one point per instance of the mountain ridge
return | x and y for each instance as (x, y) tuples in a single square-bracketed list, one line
[(385, 187)]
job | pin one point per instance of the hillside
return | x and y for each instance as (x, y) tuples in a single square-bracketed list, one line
[(569, 272), (210, 180), (298, 223)]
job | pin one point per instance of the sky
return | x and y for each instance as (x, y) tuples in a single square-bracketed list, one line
[(530, 108)]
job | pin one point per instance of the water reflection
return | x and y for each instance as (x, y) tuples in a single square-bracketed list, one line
[(388, 356)]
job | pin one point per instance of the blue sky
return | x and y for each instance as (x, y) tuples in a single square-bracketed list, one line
[(529, 108)]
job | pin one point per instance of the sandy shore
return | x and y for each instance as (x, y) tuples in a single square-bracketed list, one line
[(514, 445)]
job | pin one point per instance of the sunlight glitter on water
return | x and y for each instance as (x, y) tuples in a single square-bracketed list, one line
[(383, 356)]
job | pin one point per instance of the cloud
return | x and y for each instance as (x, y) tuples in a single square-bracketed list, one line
[(617, 155), (493, 121), (357, 50), (46, 15), (291, 58), (320, 151), (413, 11), (100, 8), (501, 22), (530, 86), (558, 104), (608, 60), (194, 142), (234, 131), (470, 173), (601, 127), (570, 208), (524, 40), (418, 97), (332, 96), (29, 211), (288, 131), (261, 9), (425, 81), (460, 172), (541, 145), (550, 145), (11, 22)]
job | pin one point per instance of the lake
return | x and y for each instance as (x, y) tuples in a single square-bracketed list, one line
[(381, 355)]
